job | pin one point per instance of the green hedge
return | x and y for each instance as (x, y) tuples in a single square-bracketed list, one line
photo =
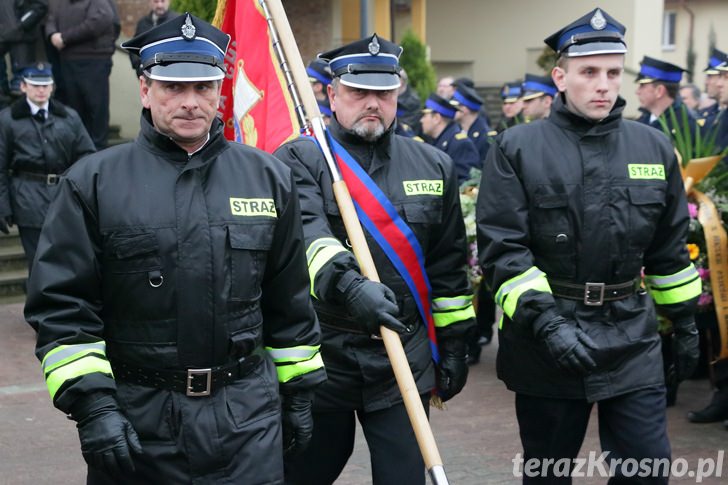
[(419, 69), (205, 9)]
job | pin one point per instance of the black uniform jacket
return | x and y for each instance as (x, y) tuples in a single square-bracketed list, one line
[(583, 202), (680, 110), (176, 261), (357, 366), (39, 148), (461, 150), (479, 132), (707, 118)]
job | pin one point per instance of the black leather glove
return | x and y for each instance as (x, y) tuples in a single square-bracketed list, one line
[(297, 421), (371, 304), (107, 437), (568, 345), (452, 371), (686, 348)]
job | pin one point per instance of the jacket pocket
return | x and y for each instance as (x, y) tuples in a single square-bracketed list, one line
[(421, 217), (248, 246), (246, 331), (553, 236), (132, 252), (646, 204)]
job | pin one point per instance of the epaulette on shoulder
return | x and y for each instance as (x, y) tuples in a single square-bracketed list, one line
[(461, 136)]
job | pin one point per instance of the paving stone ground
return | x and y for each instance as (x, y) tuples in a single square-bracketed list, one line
[(477, 435)]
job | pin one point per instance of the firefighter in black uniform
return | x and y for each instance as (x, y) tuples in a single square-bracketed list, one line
[(570, 210), (717, 409), (708, 116), (39, 139), (158, 287), (512, 105), (468, 104), (419, 181), (319, 76), (441, 130), (537, 97), (658, 91)]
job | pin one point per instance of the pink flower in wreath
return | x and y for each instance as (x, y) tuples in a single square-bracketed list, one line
[(705, 299), (692, 210), (704, 273)]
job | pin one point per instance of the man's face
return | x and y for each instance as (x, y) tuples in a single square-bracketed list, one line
[(712, 89), (428, 122), (184, 111), (159, 7), (537, 108), (37, 94), (591, 84), (512, 109), (647, 94), (366, 112), (445, 88), (688, 98), (722, 86)]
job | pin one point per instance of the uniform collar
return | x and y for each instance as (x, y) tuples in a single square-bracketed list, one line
[(34, 108), (449, 132), (561, 116), (359, 146), (165, 146), (21, 109)]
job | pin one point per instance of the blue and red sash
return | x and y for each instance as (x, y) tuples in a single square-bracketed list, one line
[(381, 220)]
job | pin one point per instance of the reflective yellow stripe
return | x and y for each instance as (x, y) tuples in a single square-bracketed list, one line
[(293, 354), (64, 354), (318, 254), (446, 311), (508, 294), (87, 364), (675, 288), (286, 372)]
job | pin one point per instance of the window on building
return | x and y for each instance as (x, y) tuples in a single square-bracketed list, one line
[(668, 30)]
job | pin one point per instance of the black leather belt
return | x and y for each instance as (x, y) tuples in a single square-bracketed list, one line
[(192, 382), (48, 178), (594, 294)]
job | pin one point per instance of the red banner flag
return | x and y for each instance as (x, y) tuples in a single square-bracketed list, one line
[(255, 105)]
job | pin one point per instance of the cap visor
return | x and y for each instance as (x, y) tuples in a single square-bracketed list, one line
[(185, 71), (530, 96), (512, 99), (38, 81), (374, 81), (596, 49)]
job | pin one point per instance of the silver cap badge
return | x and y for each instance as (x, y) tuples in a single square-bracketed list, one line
[(374, 46), (598, 22), (188, 29)]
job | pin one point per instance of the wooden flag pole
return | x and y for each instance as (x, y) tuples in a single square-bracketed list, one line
[(291, 61)]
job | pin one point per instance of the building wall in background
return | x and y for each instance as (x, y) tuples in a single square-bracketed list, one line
[(709, 16)]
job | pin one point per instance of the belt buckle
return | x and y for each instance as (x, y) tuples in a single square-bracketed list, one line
[(52, 179), (590, 287), (205, 374)]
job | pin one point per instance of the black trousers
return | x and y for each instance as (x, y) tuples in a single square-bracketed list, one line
[(29, 237), (632, 425), (395, 456), (86, 87)]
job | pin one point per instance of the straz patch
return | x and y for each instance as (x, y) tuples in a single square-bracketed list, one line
[(422, 187), (646, 171), (253, 207)]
